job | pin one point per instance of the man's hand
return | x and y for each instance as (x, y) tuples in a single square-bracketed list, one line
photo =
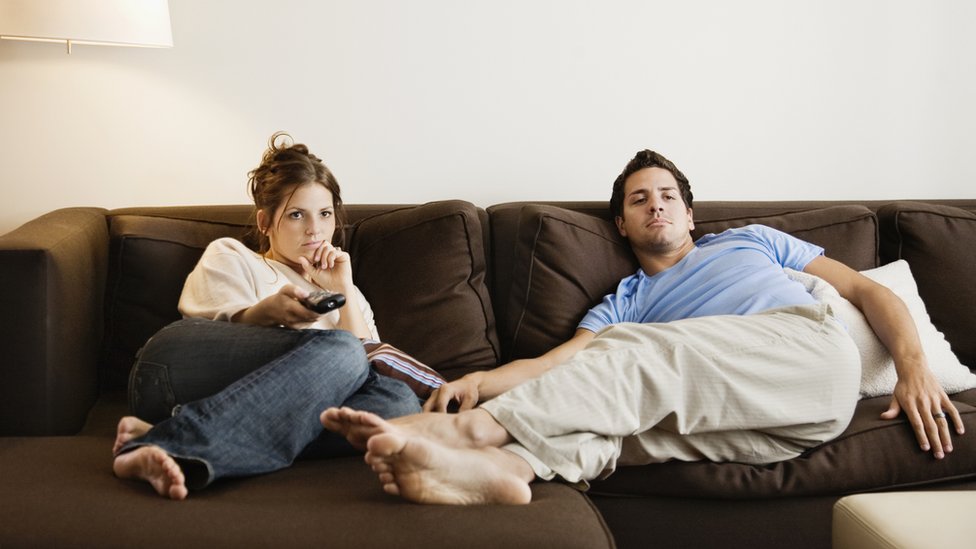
[(917, 392), (928, 410), (464, 391)]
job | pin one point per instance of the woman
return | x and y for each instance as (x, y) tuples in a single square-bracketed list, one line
[(237, 386)]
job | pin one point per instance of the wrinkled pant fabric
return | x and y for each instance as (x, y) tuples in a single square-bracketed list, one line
[(246, 400), (755, 389)]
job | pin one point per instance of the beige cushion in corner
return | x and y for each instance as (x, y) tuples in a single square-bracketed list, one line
[(905, 520), (878, 375)]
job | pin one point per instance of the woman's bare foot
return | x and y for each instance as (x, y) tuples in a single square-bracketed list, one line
[(354, 425), (130, 427), (155, 466), (425, 471), (470, 429)]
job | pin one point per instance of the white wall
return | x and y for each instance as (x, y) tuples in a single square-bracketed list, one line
[(500, 100)]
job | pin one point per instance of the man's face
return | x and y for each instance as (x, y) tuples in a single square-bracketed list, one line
[(654, 217)]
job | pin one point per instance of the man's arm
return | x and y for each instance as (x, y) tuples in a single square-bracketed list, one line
[(480, 386), (917, 392)]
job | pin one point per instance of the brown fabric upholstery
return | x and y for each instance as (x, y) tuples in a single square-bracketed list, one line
[(423, 271), (63, 494), (141, 296), (565, 261), (53, 271), (938, 243), (848, 234), (871, 454)]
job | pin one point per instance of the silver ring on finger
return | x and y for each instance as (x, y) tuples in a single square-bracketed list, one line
[(940, 415)]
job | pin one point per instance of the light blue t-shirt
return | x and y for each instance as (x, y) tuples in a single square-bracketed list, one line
[(739, 271)]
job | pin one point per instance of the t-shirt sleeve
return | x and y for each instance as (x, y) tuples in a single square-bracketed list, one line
[(600, 316), (612, 309), (787, 250), (219, 286)]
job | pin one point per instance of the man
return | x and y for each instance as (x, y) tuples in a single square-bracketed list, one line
[(710, 351)]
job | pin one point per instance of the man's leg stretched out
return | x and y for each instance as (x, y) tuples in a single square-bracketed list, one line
[(715, 395), (438, 458), (421, 469)]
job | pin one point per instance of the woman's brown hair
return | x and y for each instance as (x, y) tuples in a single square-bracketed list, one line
[(286, 166)]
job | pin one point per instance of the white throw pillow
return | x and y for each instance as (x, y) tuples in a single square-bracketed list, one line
[(878, 375)]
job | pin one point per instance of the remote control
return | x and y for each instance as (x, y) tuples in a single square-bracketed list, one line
[(324, 301)]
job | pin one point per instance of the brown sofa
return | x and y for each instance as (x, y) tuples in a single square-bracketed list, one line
[(462, 288)]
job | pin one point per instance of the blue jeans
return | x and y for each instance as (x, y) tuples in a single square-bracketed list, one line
[(236, 400)]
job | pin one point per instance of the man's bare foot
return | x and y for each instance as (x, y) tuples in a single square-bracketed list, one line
[(130, 427), (425, 471), (155, 466), (470, 429)]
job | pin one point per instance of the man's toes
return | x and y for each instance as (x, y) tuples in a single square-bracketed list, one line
[(379, 465), (391, 488)]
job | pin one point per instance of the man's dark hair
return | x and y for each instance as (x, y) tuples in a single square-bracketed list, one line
[(647, 159)]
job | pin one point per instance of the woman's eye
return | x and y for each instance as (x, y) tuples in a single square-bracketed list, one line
[(295, 215), (326, 213)]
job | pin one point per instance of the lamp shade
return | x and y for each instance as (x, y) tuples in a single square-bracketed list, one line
[(103, 22)]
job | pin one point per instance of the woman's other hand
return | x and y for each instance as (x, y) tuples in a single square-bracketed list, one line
[(330, 268)]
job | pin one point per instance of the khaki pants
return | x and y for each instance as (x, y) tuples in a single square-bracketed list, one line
[(756, 389)]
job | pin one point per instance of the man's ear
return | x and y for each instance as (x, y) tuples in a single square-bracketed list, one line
[(691, 220), (619, 220)]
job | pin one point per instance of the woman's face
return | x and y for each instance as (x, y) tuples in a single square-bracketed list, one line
[(301, 225)]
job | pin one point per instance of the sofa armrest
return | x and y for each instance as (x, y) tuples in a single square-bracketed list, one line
[(51, 327)]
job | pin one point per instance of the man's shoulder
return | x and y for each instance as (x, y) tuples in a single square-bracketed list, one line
[(750, 231)]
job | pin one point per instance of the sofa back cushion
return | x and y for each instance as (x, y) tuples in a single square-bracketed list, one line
[(150, 255), (937, 241), (565, 261), (422, 268), (847, 233)]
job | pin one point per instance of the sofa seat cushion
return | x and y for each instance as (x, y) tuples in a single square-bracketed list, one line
[(63, 494), (937, 241), (566, 261), (871, 454)]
